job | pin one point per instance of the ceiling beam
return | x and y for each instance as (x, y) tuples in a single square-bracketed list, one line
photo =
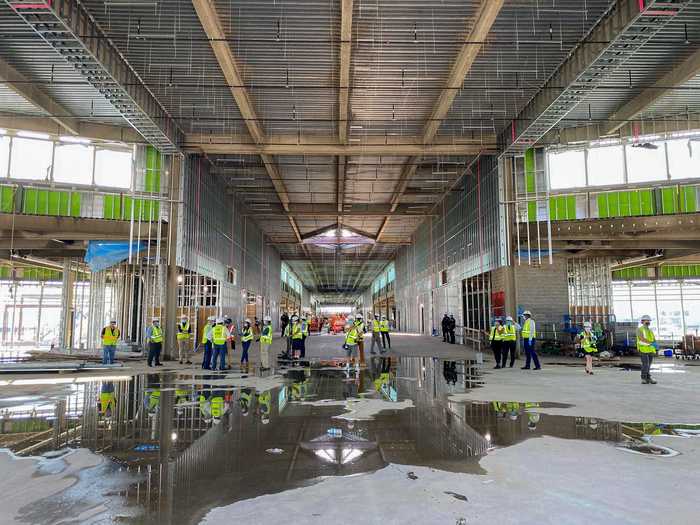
[(327, 213), (345, 50), (211, 23), (74, 227), (219, 146), (29, 91), (679, 75), (480, 29), (88, 130), (621, 33)]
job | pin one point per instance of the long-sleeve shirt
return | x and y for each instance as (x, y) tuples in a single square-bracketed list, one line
[(149, 332)]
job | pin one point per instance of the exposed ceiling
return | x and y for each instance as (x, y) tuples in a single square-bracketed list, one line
[(341, 113)]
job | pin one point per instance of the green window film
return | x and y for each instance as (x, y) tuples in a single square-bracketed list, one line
[(669, 201), (688, 199), (46, 202), (7, 199)]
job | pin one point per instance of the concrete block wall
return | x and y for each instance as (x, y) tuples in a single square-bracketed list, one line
[(543, 290)]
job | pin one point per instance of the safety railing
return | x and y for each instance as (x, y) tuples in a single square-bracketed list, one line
[(612, 203), (83, 203)]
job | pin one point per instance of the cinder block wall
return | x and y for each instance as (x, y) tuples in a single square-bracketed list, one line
[(544, 290)]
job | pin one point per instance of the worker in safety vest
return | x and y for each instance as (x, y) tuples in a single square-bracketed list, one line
[(508, 341), (352, 337), (496, 340), (384, 329), (647, 347), (361, 331), (154, 339), (184, 334), (219, 335), (264, 400), (230, 340), (246, 340), (376, 339), (110, 336), (588, 340), (205, 342), (265, 342), (108, 400), (304, 335), (529, 333), (296, 334)]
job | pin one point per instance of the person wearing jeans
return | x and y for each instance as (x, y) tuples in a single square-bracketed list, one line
[(110, 335), (154, 338), (246, 340), (647, 347), (529, 333), (219, 335)]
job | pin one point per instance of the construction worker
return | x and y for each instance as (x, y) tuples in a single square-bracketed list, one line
[(108, 400), (219, 336), (587, 340), (154, 339), (206, 342), (496, 339), (352, 337), (296, 336), (647, 346), (110, 335), (246, 340), (376, 330), (452, 328), (384, 329), (265, 342), (361, 331), (304, 335), (264, 405), (184, 333), (508, 341), (529, 333)]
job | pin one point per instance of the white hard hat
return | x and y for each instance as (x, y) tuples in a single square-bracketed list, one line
[(527, 312), (183, 316), (587, 324), (383, 316), (247, 321), (509, 318), (646, 318), (156, 319), (219, 320), (211, 318), (359, 316), (112, 322), (267, 318)]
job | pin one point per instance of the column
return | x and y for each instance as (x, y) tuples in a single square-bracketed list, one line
[(65, 336), (169, 321)]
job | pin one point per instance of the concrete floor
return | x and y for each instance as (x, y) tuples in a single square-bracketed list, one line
[(425, 469)]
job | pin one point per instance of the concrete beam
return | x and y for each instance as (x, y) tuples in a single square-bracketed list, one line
[(88, 130), (73, 227), (679, 75), (29, 91), (345, 50)]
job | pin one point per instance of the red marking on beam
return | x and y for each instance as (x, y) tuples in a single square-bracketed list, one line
[(18, 6)]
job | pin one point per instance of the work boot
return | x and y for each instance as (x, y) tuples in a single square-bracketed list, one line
[(497, 367), (645, 381), (651, 381), (188, 362), (180, 361), (524, 368)]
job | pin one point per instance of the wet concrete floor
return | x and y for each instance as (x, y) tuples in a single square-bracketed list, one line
[(191, 446)]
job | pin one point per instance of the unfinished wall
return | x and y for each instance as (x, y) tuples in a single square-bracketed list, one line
[(463, 240)]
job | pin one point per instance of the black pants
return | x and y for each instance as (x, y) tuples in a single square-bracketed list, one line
[(647, 360), (508, 346), (302, 355), (496, 347), (154, 353), (386, 340), (452, 336), (445, 335)]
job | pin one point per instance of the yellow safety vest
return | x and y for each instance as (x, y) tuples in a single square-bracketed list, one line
[(266, 336), (305, 328), (219, 334), (528, 330), (647, 334), (495, 336), (296, 331), (384, 326), (510, 333), (360, 325), (588, 342), (204, 339), (110, 337), (183, 331), (247, 335), (351, 336), (156, 334), (376, 327)]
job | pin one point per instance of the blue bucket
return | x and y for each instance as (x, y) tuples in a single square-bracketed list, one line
[(668, 353)]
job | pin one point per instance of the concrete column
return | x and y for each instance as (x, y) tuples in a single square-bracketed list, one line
[(65, 334), (169, 321)]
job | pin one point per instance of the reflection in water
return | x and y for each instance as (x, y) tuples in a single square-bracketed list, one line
[(195, 441)]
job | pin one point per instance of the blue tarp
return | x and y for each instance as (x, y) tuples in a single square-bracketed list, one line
[(100, 255)]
